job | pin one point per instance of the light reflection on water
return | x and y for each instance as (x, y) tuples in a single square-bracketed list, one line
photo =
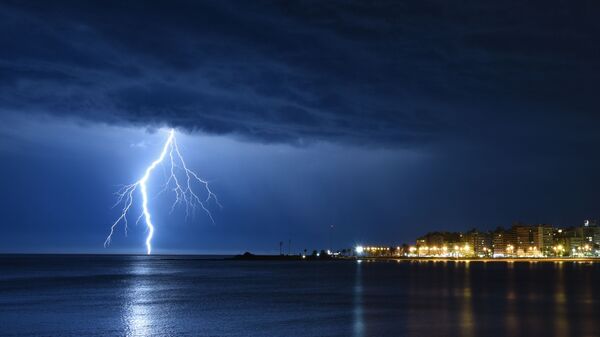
[(588, 308), (358, 326), (140, 296), (561, 324), (137, 309), (467, 319), (500, 299), (512, 316)]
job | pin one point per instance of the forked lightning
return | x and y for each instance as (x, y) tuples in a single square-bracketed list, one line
[(181, 181)]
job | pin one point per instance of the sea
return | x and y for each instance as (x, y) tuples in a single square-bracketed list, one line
[(124, 295)]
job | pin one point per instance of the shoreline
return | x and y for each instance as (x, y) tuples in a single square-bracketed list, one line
[(252, 257), (299, 258), (485, 260)]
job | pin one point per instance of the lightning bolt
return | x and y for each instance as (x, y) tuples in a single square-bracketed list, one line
[(182, 186)]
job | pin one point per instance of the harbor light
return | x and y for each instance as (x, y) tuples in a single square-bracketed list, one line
[(359, 249)]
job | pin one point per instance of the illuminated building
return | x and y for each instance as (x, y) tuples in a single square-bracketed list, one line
[(544, 239), (481, 243), (520, 241), (504, 242)]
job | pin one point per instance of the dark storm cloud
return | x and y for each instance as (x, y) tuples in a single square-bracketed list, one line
[(382, 72)]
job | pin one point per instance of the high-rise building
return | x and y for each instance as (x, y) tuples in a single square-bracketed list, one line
[(480, 242), (498, 242), (544, 239), (504, 242), (524, 237)]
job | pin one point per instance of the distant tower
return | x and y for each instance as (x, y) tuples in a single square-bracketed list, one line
[(331, 237)]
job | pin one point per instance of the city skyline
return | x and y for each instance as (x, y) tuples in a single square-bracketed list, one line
[(518, 240)]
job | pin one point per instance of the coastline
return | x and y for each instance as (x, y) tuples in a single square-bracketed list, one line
[(252, 257), (485, 260)]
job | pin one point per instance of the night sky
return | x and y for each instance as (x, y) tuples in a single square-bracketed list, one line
[(386, 119)]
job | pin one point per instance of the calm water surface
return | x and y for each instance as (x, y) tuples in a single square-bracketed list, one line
[(183, 296)]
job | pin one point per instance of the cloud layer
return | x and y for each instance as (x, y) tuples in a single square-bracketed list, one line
[(380, 73)]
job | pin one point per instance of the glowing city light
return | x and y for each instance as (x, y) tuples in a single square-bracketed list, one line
[(180, 180)]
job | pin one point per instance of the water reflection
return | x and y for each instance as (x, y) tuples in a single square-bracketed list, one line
[(140, 296), (358, 327), (561, 323), (587, 304), (138, 313), (466, 314), (511, 317)]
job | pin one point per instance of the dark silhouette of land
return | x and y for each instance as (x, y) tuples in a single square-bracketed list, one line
[(253, 257)]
